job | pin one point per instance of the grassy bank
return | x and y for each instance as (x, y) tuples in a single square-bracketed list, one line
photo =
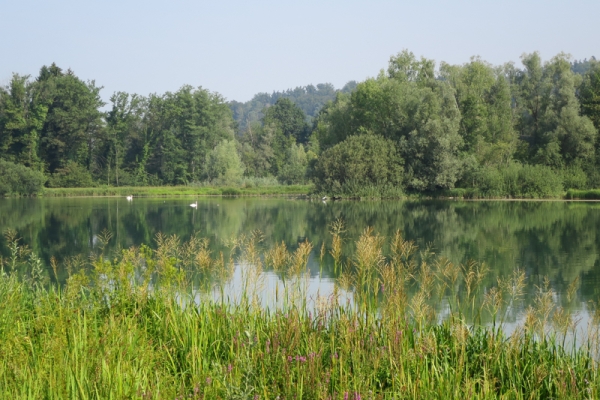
[(154, 191), (475, 194), (161, 324), (591, 194)]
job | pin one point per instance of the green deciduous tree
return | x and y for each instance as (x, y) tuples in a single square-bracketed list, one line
[(123, 137), (22, 115), (294, 170), (549, 119), (224, 165), (589, 94), (74, 120), (412, 108), (256, 149), (484, 99), (289, 118), (182, 128)]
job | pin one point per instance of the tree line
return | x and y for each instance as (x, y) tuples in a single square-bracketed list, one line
[(529, 131)]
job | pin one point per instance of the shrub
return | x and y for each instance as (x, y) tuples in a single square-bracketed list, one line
[(357, 163), (574, 178), (71, 175), (515, 180), (537, 181), (18, 179), (231, 192)]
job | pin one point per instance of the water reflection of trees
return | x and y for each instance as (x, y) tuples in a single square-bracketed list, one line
[(554, 239)]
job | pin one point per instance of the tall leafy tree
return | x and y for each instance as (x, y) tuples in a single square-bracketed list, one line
[(484, 100), (256, 149), (183, 127), (289, 118), (549, 120), (294, 170), (589, 94), (224, 165), (73, 121), (22, 116), (412, 108), (122, 146)]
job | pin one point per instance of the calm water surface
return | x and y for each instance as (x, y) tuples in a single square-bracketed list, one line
[(558, 240)]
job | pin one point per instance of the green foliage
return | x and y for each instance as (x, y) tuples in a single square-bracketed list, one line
[(20, 180), (294, 169), (484, 99), (412, 108), (224, 166), (22, 115), (592, 194), (203, 189), (257, 152), (71, 175), (359, 161), (231, 192), (515, 181), (288, 118), (582, 66), (308, 98), (182, 128), (458, 124), (550, 122), (574, 178), (589, 94), (73, 121)]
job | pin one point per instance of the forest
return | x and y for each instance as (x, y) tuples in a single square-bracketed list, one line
[(416, 127)]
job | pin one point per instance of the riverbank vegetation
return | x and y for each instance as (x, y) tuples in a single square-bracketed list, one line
[(494, 131), (159, 191), (399, 323)]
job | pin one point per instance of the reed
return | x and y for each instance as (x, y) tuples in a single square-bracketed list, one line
[(160, 324)]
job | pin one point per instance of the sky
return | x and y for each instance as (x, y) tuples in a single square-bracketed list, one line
[(240, 48)]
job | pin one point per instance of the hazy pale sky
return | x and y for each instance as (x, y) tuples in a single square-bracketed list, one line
[(240, 48)]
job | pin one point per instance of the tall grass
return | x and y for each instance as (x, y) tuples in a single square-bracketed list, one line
[(591, 194), (149, 191), (161, 324)]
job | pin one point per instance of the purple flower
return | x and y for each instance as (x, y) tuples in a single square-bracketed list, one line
[(229, 368), (208, 381)]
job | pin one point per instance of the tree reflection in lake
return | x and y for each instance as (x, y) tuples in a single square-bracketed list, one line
[(558, 240)]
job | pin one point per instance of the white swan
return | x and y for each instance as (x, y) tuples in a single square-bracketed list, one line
[(129, 198), (194, 204)]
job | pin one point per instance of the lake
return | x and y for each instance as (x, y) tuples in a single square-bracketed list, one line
[(553, 239)]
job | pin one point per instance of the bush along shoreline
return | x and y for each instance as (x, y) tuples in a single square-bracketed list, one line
[(161, 323)]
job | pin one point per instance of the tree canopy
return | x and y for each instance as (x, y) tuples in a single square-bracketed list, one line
[(417, 126)]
